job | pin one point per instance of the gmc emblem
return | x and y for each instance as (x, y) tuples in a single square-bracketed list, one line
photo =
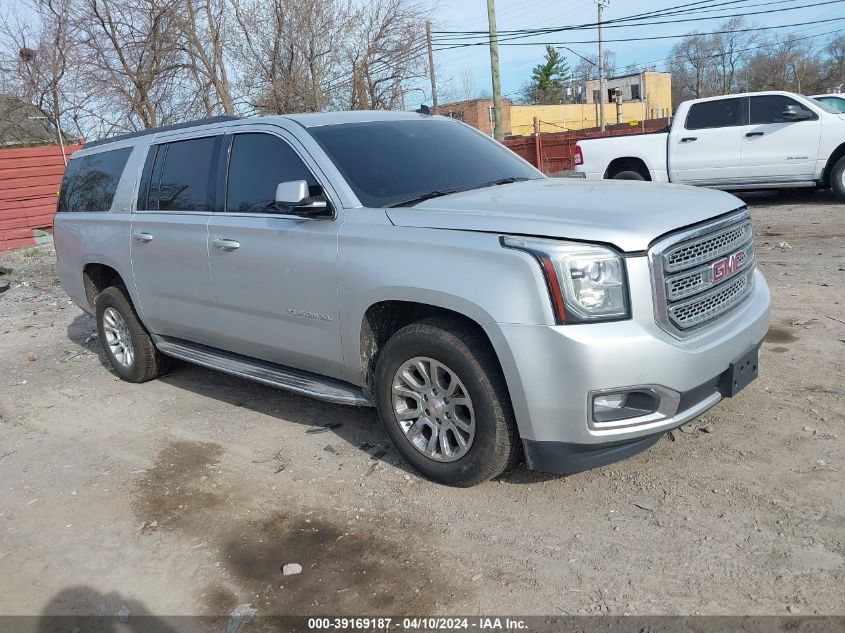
[(727, 266)]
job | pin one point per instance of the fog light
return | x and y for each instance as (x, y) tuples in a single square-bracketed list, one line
[(621, 405), (608, 402)]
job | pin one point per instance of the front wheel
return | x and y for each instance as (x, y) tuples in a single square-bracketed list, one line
[(837, 179), (443, 401)]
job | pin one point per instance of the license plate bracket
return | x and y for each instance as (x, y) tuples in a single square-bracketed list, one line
[(740, 373)]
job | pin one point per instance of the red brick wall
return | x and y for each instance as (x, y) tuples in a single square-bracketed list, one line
[(29, 181)]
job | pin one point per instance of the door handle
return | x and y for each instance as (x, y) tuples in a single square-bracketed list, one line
[(225, 244), (750, 134), (143, 237), (689, 139)]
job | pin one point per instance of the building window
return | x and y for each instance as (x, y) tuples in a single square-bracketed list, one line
[(635, 92)]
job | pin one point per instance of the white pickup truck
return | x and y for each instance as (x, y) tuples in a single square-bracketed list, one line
[(760, 140)]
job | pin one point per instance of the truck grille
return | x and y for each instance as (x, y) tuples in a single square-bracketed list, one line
[(702, 274)]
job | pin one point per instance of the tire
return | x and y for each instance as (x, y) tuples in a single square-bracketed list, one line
[(837, 179), (627, 174), (462, 352), (117, 321)]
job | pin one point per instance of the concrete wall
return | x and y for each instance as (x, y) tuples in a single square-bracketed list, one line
[(655, 89)]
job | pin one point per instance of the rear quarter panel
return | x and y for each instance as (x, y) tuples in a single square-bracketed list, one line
[(598, 153), (98, 238)]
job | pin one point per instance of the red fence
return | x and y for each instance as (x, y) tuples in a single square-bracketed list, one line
[(29, 181), (556, 149)]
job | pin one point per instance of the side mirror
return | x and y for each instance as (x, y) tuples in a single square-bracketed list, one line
[(794, 113), (294, 195)]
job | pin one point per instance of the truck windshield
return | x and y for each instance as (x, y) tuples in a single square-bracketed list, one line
[(401, 163)]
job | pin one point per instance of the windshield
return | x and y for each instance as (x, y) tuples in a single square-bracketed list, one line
[(835, 105), (395, 162)]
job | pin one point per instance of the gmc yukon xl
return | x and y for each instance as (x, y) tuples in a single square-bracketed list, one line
[(761, 140), (410, 263)]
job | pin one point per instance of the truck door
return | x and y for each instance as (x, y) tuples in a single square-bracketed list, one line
[(780, 143), (169, 237), (274, 272), (704, 149)]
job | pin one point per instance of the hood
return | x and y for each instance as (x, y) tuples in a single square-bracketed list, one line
[(627, 214)]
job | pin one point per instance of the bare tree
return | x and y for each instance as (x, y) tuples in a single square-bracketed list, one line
[(385, 51), (202, 25), (37, 58), (835, 62)]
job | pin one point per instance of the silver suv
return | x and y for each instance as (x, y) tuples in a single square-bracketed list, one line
[(410, 263)]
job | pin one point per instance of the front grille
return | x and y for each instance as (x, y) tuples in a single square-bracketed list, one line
[(702, 274)]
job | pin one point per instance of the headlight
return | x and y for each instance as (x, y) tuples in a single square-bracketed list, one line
[(586, 282)]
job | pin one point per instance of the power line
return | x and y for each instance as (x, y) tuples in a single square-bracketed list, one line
[(616, 25), (651, 38), (636, 16)]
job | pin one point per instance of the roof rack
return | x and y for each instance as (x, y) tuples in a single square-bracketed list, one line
[(163, 128)]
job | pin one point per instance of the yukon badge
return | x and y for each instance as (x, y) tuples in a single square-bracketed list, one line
[(309, 315)]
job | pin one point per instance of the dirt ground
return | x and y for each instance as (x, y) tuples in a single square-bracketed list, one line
[(187, 494)]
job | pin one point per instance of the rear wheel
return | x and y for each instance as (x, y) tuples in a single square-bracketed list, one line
[(443, 401), (628, 174), (126, 342), (837, 179)]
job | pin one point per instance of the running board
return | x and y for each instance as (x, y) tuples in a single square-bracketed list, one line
[(295, 380)]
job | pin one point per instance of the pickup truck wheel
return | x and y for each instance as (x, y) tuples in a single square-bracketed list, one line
[(628, 174), (837, 179), (443, 401), (127, 344)]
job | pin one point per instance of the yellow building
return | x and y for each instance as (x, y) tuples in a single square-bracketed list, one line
[(631, 99)]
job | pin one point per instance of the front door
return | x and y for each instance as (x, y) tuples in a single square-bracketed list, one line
[(705, 149), (169, 238), (274, 273), (775, 149)]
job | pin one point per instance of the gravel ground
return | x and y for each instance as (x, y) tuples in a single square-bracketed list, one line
[(186, 495)]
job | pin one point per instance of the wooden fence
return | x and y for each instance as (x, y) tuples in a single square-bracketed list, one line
[(29, 182), (556, 149)]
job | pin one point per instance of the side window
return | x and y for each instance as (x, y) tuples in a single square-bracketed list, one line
[(711, 114), (769, 109), (837, 103), (186, 181), (257, 164), (90, 182)]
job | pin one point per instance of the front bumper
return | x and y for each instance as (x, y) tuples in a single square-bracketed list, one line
[(567, 458), (551, 370)]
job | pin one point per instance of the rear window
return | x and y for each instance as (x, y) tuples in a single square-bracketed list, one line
[(710, 114), (90, 182)]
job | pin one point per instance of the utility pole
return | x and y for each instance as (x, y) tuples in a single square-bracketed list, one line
[(602, 79), (431, 67), (498, 132)]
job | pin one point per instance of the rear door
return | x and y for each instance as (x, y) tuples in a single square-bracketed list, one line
[(274, 272), (705, 148), (775, 149), (169, 237)]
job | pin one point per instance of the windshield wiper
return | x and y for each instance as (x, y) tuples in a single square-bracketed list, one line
[(502, 181), (412, 200)]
